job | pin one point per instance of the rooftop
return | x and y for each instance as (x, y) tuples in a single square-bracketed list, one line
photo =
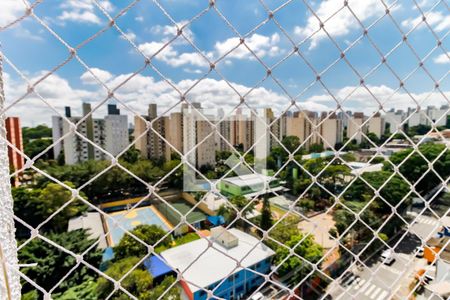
[(210, 265), (360, 167), (156, 266), (441, 242), (249, 179), (92, 222)]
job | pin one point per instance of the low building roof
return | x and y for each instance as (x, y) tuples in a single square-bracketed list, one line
[(446, 221), (249, 179), (203, 265), (92, 222), (440, 288), (441, 242), (360, 168), (156, 266)]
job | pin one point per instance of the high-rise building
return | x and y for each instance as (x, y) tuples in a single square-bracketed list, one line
[(14, 136), (355, 127), (243, 131), (116, 131), (152, 144), (175, 131), (110, 134), (225, 128), (331, 130), (437, 115), (295, 125), (198, 142), (376, 124), (393, 119), (302, 124), (417, 117)]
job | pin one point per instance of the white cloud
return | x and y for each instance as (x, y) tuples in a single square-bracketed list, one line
[(130, 35), (54, 89), (170, 56), (340, 24), (192, 71), (261, 45), (437, 20), (141, 90), (168, 32), (10, 11), (443, 58), (83, 11), (362, 100), (139, 19), (79, 16), (103, 75)]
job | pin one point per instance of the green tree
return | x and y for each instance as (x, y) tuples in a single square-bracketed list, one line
[(31, 133), (316, 148), (266, 214), (132, 155), (287, 233), (291, 142), (138, 282), (175, 178), (34, 205), (239, 203), (371, 139), (53, 264), (393, 190), (129, 246), (38, 146), (111, 184), (86, 291), (416, 169), (52, 197), (167, 288)]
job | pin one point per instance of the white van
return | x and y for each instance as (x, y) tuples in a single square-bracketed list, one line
[(388, 257)]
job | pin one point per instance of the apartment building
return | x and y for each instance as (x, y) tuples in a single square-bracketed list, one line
[(376, 124), (175, 131), (110, 134), (296, 125), (243, 130), (417, 117), (438, 115), (198, 142), (151, 143), (116, 131), (305, 125), (225, 128), (355, 127), (331, 130), (393, 119), (14, 136)]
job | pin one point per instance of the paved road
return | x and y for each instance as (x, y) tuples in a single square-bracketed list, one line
[(425, 226), (379, 281)]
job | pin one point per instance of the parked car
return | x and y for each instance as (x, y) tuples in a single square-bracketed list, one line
[(419, 251), (388, 257)]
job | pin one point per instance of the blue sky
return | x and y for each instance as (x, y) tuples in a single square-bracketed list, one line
[(34, 50)]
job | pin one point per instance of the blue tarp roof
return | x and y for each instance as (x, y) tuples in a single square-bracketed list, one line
[(216, 220), (108, 254), (156, 266)]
